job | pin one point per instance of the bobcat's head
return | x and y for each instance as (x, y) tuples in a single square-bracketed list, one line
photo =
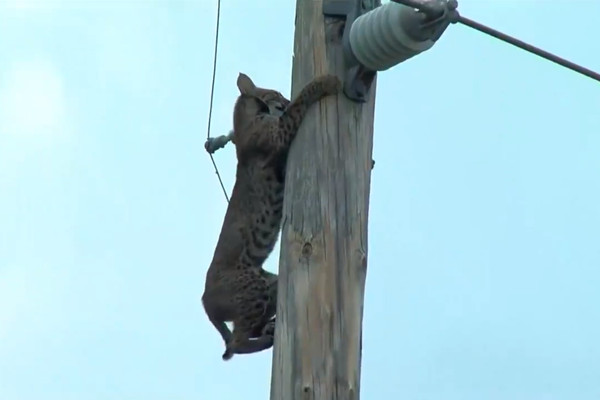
[(254, 101)]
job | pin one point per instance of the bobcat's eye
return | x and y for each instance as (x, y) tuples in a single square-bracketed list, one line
[(282, 104)]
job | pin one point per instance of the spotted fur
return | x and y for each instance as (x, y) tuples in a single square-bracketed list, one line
[(237, 288)]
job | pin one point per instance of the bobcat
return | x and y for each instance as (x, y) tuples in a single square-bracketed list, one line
[(237, 288)]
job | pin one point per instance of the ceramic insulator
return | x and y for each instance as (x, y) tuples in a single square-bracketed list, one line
[(379, 39)]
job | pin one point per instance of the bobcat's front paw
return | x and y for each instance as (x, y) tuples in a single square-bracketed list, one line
[(331, 84)]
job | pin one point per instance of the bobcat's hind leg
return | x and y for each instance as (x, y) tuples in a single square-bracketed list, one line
[(254, 328), (268, 327), (242, 344), (218, 311)]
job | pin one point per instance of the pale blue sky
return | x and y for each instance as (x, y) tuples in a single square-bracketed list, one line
[(484, 261)]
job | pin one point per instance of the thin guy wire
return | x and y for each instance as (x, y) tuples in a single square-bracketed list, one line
[(212, 92), (528, 47)]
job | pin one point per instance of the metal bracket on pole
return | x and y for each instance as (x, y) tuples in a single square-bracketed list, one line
[(357, 79)]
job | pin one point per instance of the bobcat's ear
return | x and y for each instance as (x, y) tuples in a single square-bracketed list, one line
[(245, 84)]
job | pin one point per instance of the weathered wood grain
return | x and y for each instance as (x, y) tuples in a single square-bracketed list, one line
[(323, 261)]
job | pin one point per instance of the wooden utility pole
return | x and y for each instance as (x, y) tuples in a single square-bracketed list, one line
[(323, 262)]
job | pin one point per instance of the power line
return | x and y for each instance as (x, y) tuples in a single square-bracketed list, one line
[(528, 47), (447, 11), (212, 93)]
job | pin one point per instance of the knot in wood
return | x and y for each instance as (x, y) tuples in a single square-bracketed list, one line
[(307, 393), (307, 250)]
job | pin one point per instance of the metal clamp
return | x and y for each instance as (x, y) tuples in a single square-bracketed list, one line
[(357, 78), (439, 14)]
